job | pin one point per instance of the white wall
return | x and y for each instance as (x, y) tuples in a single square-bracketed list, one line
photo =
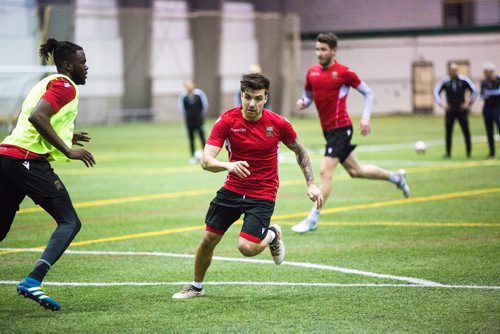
[(487, 12), (350, 15), (385, 64), (239, 48), (19, 47), (97, 31), (172, 48), (171, 61), (354, 15)]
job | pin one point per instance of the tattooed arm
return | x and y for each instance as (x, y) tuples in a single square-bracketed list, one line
[(305, 164)]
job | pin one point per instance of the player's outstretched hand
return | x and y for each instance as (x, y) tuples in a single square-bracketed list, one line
[(300, 104), (82, 155), (240, 168), (365, 127), (315, 195), (80, 136)]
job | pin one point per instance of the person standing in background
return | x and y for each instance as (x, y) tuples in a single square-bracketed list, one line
[(490, 93), (193, 104), (455, 85)]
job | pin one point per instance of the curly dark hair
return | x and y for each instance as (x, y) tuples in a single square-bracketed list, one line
[(60, 51)]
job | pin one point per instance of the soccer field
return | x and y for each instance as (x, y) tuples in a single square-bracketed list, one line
[(377, 263)]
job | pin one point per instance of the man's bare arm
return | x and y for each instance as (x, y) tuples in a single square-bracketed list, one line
[(304, 162), (302, 159), (210, 163), (40, 118)]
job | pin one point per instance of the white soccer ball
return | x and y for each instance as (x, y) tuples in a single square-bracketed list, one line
[(420, 147), (198, 155)]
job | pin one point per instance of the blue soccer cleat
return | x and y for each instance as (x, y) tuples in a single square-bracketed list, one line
[(31, 288)]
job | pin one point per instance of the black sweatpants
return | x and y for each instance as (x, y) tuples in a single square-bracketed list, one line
[(463, 119), (491, 117), (192, 130), (36, 179)]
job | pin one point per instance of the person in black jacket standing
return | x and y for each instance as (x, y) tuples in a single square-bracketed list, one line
[(490, 93), (193, 104), (456, 85)]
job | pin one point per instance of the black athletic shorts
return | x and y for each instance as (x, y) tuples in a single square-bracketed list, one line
[(338, 143), (228, 206), (34, 177)]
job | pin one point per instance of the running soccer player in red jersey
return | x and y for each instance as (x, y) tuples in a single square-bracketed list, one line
[(252, 136), (327, 84)]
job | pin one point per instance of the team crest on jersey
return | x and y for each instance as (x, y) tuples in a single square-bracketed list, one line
[(269, 131), (335, 74)]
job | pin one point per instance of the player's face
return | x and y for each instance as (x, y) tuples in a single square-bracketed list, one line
[(253, 102), (325, 54), (489, 74), (189, 85), (79, 68), (453, 70)]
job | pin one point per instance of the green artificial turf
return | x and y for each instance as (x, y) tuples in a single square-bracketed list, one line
[(139, 198)]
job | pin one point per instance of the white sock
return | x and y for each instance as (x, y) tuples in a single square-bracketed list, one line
[(197, 285), (271, 232), (314, 214), (394, 178)]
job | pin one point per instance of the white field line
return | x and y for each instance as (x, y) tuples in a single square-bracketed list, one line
[(401, 146), (289, 157), (246, 260), (303, 284)]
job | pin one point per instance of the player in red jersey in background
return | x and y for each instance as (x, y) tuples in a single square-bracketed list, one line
[(327, 84), (252, 136)]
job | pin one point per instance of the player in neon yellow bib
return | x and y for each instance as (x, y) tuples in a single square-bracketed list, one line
[(44, 132)]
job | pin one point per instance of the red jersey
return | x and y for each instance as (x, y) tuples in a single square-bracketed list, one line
[(59, 93), (329, 90), (256, 143)]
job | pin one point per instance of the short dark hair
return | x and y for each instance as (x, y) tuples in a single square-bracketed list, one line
[(60, 51), (328, 38), (254, 81)]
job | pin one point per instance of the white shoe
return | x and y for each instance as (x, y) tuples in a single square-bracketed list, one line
[(305, 226), (403, 183), (188, 292), (277, 247)]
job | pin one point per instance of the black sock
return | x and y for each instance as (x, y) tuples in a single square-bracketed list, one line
[(272, 228), (39, 271)]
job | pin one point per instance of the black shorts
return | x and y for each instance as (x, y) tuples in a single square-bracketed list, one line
[(228, 206), (338, 143), (34, 178)]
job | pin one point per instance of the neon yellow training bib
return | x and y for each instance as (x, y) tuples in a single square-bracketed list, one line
[(26, 136)]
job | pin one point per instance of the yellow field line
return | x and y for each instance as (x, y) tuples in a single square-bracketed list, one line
[(140, 235), (128, 171), (201, 227), (402, 223), (395, 202), (124, 237), (122, 200), (19, 250), (468, 164), (325, 211)]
